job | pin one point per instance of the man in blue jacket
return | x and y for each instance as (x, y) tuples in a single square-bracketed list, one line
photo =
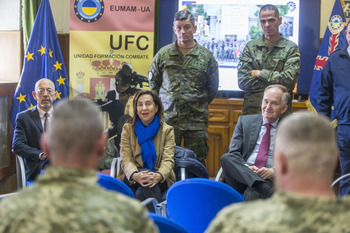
[(334, 91)]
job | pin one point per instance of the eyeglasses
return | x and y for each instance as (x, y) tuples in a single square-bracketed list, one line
[(49, 91)]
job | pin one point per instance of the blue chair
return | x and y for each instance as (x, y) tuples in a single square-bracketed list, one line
[(194, 202), (114, 184), (166, 225)]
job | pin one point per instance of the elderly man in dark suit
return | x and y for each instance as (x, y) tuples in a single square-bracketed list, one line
[(29, 126), (248, 167)]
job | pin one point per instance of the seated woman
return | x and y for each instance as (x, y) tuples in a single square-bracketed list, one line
[(147, 149)]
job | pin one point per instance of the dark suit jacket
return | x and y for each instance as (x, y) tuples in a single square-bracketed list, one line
[(246, 135), (26, 140), (243, 142)]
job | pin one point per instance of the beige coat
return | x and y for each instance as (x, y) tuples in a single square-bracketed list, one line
[(130, 153)]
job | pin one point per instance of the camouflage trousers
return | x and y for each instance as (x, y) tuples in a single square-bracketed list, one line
[(195, 140)]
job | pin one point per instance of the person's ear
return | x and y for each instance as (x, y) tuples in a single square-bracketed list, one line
[(194, 28), (34, 95), (284, 108), (280, 20), (281, 163)]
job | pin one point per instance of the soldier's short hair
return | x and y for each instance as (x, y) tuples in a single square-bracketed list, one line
[(185, 15), (286, 96), (269, 7), (76, 126), (308, 142)]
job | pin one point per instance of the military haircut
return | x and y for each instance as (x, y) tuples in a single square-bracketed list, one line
[(270, 7), (309, 144), (286, 96), (185, 15), (75, 127)]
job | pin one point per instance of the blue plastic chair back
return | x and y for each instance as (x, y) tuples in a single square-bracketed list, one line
[(165, 225), (193, 203), (114, 184)]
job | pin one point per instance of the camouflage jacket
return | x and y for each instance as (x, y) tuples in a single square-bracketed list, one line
[(279, 66), (185, 84), (110, 153), (69, 200), (285, 212)]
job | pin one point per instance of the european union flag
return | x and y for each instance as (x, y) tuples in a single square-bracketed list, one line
[(334, 38), (43, 59)]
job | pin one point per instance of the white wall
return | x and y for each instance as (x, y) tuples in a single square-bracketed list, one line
[(60, 11), (10, 15), (326, 10)]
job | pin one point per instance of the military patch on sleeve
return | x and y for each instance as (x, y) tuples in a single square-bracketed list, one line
[(239, 65), (150, 75), (298, 53)]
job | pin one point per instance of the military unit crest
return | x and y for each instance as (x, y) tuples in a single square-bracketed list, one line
[(89, 11), (336, 24)]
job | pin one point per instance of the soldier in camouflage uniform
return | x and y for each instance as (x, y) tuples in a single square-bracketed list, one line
[(185, 75), (270, 59), (66, 198), (305, 161), (110, 153)]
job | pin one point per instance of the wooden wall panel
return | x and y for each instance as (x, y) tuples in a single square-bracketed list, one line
[(64, 44), (224, 114), (8, 169)]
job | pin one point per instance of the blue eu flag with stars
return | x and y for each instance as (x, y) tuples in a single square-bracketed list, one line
[(43, 59)]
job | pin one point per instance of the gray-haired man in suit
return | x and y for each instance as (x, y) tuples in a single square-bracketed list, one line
[(244, 167), (30, 125)]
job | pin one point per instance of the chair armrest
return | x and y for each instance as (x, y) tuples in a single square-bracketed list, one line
[(340, 178), (183, 173), (161, 209), (115, 167), (218, 176), (7, 195), (21, 172)]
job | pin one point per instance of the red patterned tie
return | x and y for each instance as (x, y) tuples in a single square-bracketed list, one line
[(261, 158)]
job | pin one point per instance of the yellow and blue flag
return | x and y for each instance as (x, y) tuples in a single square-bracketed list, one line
[(43, 59), (334, 38)]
